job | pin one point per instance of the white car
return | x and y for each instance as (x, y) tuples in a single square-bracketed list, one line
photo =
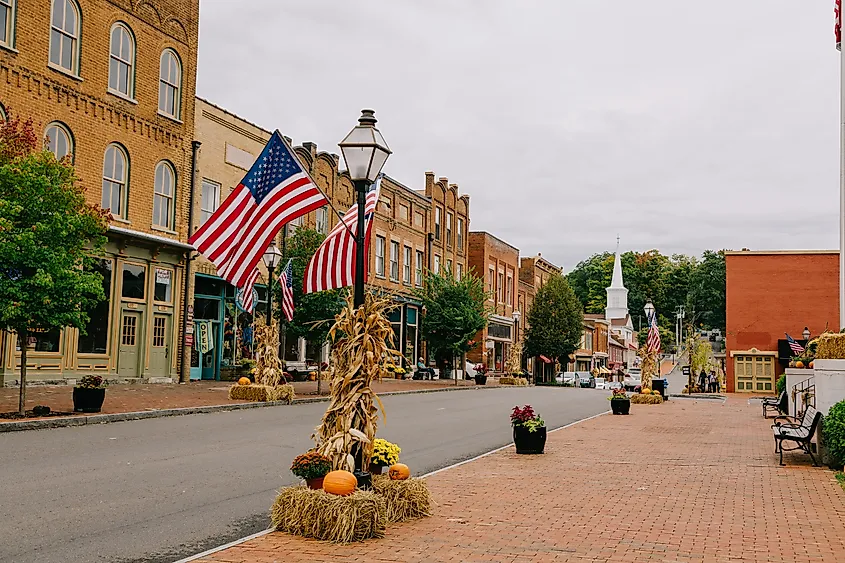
[(601, 383), (632, 381), (568, 378), (613, 385)]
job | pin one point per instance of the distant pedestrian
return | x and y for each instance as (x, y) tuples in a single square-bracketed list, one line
[(702, 382), (718, 384), (712, 381)]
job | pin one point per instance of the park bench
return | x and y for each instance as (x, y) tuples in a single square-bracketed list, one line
[(775, 404), (800, 432)]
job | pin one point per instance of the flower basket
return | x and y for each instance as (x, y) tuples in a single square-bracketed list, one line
[(528, 442), (88, 400), (620, 406)]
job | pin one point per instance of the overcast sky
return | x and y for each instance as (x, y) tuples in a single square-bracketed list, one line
[(679, 125)]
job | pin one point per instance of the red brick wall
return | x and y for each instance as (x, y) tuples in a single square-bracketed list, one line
[(770, 294)]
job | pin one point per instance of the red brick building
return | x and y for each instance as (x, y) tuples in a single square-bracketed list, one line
[(770, 293)]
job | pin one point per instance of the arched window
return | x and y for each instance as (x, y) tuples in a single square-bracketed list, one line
[(64, 35), (57, 140), (170, 84), (7, 23), (165, 188), (115, 180), (3, 117), (121, 60)]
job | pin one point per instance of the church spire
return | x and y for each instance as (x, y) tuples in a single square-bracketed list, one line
[(617, 281), (617, 295)]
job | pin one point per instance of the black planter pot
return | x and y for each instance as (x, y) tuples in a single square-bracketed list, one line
[(620, 406), (481, 380), (88, 400), (527, 442)]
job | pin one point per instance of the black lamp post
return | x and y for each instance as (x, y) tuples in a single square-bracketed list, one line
[(365, 153), (516, 316), (806, 334), (272, 257)]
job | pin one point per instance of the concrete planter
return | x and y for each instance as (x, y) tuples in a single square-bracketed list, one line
[(794, 376), (830, 383)]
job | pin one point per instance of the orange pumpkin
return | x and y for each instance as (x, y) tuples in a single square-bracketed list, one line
[(811, 365), (399, 472), (340, 483), (799, 364), (244, 381)]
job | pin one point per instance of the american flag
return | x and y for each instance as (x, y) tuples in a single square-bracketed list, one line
[(837, 25), (653, 340), (333, 265), (793, 345), (286, 283), (247, 292), (274, 192)]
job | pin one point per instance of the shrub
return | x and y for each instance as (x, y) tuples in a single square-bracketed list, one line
[(781, 384), (834, 433)]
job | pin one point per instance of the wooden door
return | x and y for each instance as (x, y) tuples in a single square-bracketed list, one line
[(130, 338), (160, 347)]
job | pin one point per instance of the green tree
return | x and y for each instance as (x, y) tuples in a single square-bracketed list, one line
[(589, 280), (555, 321), (47, 235), (707, 290), (455, 310)]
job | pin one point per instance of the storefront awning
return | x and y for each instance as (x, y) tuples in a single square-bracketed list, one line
[(545, 359)]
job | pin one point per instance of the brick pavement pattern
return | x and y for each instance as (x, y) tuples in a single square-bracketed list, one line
[(688, 481), (144, 397)]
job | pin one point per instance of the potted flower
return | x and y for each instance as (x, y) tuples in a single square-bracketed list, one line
[(89, 394), (312, 467), (384, 455), (619, 402), (529, 431), (400, 372), (480, 374)]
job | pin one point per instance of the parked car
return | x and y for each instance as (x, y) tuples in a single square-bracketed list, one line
[(600, 383), (632, 381), (614, 385), (568, 378), (586, 379)]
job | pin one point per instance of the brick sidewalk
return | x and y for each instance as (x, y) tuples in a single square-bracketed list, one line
[(688, 481), (144, 397)]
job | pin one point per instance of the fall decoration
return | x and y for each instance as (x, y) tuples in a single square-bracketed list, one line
[(262, 393), (270, 383), (831, 346), (339, 519), (799, 364), (399, 472), (361, 338), (405, 500), (384, 452), (810, 365), (340, 483), (646, 399), (310, 465), (244, 381), (518, 381)]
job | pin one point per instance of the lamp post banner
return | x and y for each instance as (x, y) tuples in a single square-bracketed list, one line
[(837, 25)]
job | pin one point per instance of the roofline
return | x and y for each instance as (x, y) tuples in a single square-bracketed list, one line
[(485, 233), (236, 116), (776, 252), (407, 189)]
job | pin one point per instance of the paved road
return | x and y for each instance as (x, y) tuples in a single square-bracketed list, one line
[(161, 489)]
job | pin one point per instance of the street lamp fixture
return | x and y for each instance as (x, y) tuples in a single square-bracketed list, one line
[(272, 257), (806, 333), (365, 152), (649, 311)]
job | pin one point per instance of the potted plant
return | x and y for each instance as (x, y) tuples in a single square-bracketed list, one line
[(384, 455), (89, 394), (619, 402), (312, 467), (480, 374), (529, 431)]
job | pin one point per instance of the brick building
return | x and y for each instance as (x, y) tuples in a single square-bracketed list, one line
[(449, 225), (768, 294), (111, 87), (534, 272), (497, 262)]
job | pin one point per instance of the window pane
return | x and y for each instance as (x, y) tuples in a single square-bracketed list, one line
[(134, 281), (157, 216), (113, 82), (58, 12), (123, 78), (4, 23), (211, 286), (162, 96), (125, 45), (43, 341), (70, 18), (96, 339), (67, 53), (163, 285), (119, 165), (55, 47)]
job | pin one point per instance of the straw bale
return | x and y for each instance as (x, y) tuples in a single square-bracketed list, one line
[(406, 500), (320, 515), (261, 393), (644, 399), (831, 346), (518, 381)]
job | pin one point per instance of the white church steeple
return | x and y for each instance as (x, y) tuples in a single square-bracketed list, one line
[(617, 295)]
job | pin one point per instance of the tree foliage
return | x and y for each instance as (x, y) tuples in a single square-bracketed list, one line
[(555, 320), (707, 289), (455, 311), (47, 234)]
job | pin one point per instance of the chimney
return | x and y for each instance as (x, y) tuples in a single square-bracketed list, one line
[(311, 148), (288, 139), (336, 159), (444, 180)]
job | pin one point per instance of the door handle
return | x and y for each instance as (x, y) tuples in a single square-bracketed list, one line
[(167, 351)]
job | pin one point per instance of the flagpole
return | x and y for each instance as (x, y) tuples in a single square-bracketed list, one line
[(841, 183)]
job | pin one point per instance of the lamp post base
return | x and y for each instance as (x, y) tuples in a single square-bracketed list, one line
[(364, 478)]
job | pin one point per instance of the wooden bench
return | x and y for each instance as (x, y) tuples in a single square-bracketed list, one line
[(775, 404), (798, 432)]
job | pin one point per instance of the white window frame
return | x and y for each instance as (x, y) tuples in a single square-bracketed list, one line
[(407, 255), (321, 220), (500, 290), (437, 264), (380, 248), (59, 127), (123, 183), (10, 6), (459, 271), (449, 228), (207, 211), (491, 280), (460, 243), (160, 197), (122, 60), (420, 258), (171, 84), (73, 35), (509, 290), (394, 260), (437, 217)]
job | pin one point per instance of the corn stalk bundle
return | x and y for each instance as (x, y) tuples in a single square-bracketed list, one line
[(362, 339), (513, 365), (268, 367), (648, 367)]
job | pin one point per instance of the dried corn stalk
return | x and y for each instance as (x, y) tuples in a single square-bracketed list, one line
[(513, 365), (268, 367), (362, 338)]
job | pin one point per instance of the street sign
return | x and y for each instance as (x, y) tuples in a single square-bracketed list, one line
[(189, 340), (685, 370)]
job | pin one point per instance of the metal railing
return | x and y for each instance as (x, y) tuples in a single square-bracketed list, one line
[(806, 391)]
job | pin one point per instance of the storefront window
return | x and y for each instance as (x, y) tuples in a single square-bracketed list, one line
[(411, 336), (208, 286), (134, 281), (395, 318), (96, 339), (206, 309), (164, 285), (42, 341)]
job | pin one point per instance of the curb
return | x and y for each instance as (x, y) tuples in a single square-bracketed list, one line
[(226, 546), (703, 397), (62, 422)]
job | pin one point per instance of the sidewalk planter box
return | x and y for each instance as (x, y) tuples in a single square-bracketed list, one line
[(620, 406), (88, 400), (481, 380), (528, 442), (829, 378)]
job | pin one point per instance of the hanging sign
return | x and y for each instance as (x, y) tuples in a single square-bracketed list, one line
[(204, 336), (162, 276), (239, 299)]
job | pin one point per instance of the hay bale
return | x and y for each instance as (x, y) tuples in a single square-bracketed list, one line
[(406, 500), (646, 399), (261, 393), (509, 380), (319, 515), (831, 346)]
